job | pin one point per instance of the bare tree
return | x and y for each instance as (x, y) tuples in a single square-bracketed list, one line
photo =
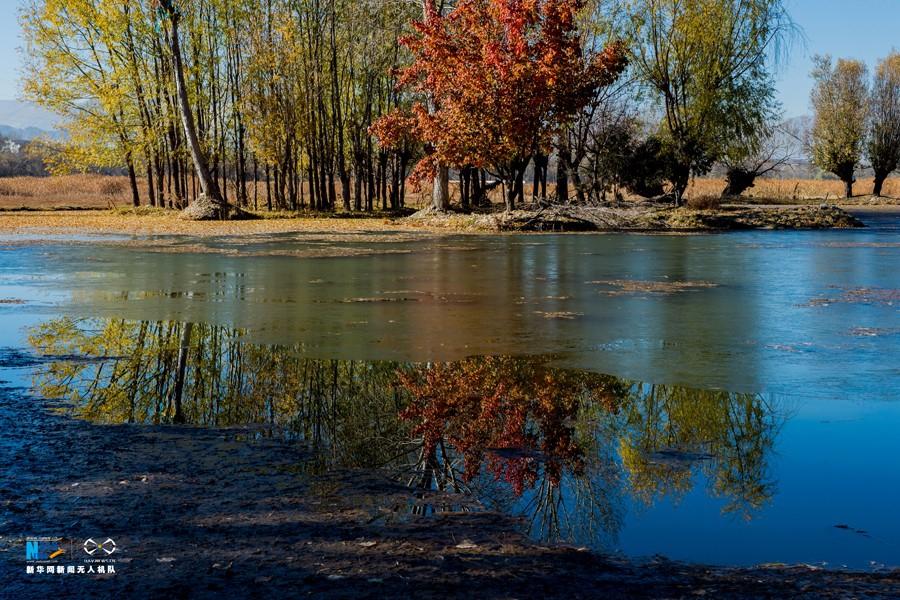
[(768, 150)]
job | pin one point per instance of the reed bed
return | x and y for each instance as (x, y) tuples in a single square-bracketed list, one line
[(797, 190), (104, 191)]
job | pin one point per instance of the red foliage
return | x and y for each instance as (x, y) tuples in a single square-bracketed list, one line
[(482, 405), (501, 76)]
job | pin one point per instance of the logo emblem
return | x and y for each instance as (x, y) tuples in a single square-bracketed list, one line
[(32, 550), (43, 549), (108, 546)]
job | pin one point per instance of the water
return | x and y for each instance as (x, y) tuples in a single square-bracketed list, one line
[(730, 399)]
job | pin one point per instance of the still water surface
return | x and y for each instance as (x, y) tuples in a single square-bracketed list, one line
[(730, 399)]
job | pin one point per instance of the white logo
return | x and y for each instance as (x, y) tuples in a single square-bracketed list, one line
[(108, 546)]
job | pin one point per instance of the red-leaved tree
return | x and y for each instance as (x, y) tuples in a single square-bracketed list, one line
[(498, 78)]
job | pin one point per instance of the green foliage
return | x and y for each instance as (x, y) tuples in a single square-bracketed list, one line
[(840, 102), (708, 63), (883, 141), (281, 88), (646, 168)]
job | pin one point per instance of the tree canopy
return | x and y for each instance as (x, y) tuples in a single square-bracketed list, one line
[(502, 76), (840, 101), (709, 64), (883, 144)]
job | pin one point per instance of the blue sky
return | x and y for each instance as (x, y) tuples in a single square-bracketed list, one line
[(863, 29)]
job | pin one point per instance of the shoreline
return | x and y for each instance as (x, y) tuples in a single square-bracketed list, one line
[(427, 223), (180, 502)]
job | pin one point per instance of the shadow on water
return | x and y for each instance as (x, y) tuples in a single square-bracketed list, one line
[(565, 451)]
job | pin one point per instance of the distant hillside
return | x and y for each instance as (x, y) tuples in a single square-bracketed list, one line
[(28, 133), (27, 121)]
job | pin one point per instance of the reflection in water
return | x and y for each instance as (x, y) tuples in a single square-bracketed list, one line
[(565, 449)]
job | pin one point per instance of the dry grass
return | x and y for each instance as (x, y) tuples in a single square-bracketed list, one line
[(148, 221), (102, 192), (81, 191), (796, 190), (704, 201)]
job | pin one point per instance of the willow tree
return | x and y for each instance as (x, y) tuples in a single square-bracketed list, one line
[(763, 150), (883, 147), (708, 63), (840, 101)]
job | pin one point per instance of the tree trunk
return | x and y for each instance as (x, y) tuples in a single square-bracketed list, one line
[(539, 184), (879, 183), (562, 175), (207, 183), (512, 191), (465, 177), (477, 189), (178, 390), (132, 180), (520, 185), (737, 182), (848, 188), (440, 196), (345, 188), (680, 180), (151, 197)]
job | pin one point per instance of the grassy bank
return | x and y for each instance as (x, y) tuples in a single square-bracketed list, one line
[(164, 222)]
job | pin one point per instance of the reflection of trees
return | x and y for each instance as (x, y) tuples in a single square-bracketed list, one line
[(545, 443), (553, 435), (668, 429), (514, 420), (128, 372)]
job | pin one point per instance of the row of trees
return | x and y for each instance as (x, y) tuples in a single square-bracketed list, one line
[(208, 95), (335, 103), (855, 118)]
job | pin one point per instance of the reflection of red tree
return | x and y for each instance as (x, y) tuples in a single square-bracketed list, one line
[(485, 406)]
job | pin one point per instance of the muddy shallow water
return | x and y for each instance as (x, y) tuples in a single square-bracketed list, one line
[(723, 399)]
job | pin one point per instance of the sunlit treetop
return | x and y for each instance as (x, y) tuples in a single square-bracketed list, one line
[(497, 79)]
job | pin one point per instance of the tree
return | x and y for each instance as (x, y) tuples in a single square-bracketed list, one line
[(590, 148), (707, 61), (207, 182), (74, 69), (762, 151), (883, 146), (840, 101), (281, 91), (500, 78)]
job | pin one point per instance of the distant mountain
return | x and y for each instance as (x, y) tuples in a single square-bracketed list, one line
[(27, 134), (27, 121)]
